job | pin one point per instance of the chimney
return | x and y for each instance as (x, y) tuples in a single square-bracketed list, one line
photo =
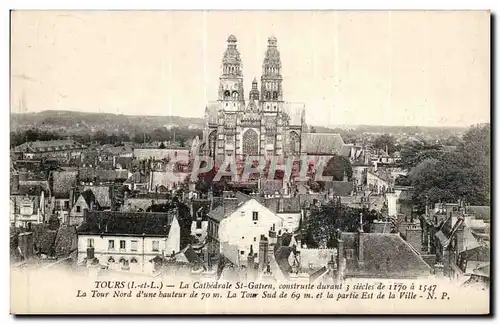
[(360, 249), (263, 244), (340, 254), (279, 241), (414, 236), (460, 235), (439, 270), (15, 183), (251, 259), (90, 253), (25, 243)]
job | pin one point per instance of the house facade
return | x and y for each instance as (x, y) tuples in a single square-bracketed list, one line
[(128, 241), (240, 231)]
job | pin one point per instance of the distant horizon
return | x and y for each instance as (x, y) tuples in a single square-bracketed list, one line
[(347, 67), (201, 117)]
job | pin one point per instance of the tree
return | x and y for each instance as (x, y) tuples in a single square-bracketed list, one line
[(462, 174), (414, 153), (162, 146), (337, 166), (385, 142), (327, 219)]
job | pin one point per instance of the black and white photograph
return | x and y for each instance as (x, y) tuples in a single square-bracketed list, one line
[(250, 162)]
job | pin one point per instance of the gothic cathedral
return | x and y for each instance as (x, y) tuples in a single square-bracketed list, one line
[(262, 125)]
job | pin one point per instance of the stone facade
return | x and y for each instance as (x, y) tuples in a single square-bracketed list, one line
[(264, 124)]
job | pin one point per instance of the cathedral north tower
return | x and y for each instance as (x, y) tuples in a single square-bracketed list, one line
[(231, 92)]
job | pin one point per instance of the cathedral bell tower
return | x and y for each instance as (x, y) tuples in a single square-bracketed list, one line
[(231, 93), (271, 81)]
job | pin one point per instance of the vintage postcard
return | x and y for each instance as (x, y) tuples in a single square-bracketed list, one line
[(260, 162)]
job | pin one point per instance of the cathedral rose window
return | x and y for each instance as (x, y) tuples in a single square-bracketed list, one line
[(251, 142)]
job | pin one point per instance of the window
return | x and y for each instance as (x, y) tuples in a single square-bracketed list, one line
[(255, 239), (156, 246), (133, 246), (122, 245), (198, 224), (90, 243), (78, 209), (111, 260), (242, 252), (255, 216), (66, 205), (111, 245)]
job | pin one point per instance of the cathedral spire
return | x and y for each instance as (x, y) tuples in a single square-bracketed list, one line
[(231, 80), (231, 62), (271, 80), (254, 93)]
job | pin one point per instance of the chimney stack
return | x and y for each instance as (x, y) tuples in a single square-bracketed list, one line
[(460, 235), (360, 249), (340, 254), (439, 270), (263, 244), (15, 183), (414, 236), (90, 253)]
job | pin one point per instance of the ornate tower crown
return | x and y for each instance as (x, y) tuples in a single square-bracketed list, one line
[(272, 60), (231, 61), (271, 80), (254, 93), (231, 79)]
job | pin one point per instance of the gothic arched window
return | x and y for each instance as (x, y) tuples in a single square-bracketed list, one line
[(251, 142), (227, 94), (268, 95), (275, 95), (235, 95), (294, 144), (212, 142)]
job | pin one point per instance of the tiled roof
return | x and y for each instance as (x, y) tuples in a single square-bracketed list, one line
[(43, 239), (135, 203), (346, 150), (159, 154), (66, 241), (47, 146), (387, 256), (62, 183), (271, 187), (339, 188), (117, 223), (321, 143), (30, 190), (102, 195), (89, 197), (116, 150)]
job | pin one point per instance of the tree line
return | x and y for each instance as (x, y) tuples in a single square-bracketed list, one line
[(161, 134)]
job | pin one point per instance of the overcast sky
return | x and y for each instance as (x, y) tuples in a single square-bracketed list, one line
[(381, 68)]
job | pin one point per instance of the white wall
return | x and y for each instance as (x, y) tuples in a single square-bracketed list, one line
[(239, 229)]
